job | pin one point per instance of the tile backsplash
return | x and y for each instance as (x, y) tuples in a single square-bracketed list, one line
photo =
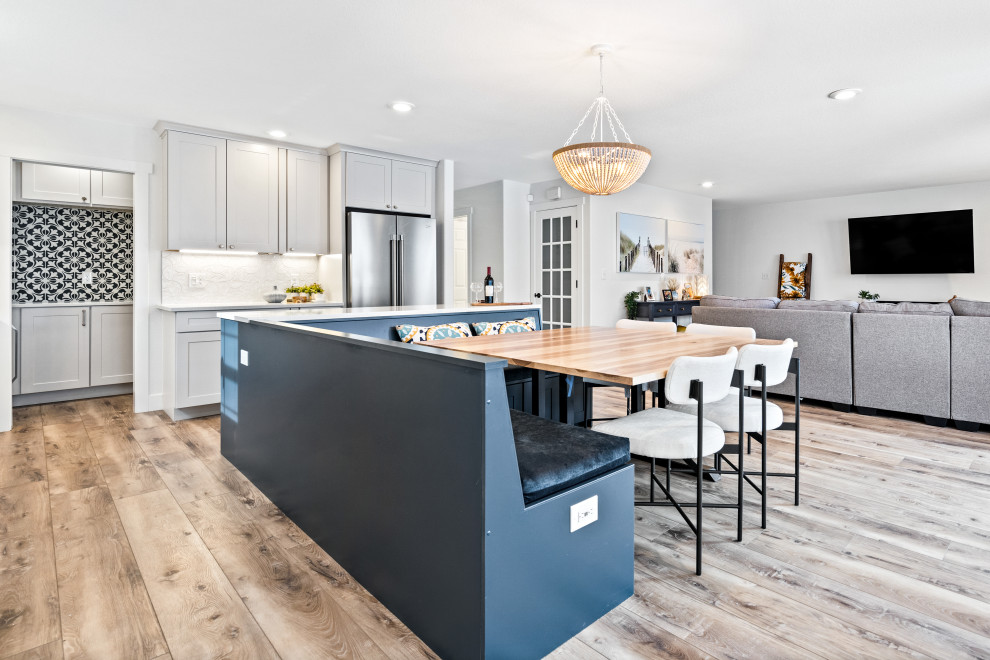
[(53, 246), (231, 278)]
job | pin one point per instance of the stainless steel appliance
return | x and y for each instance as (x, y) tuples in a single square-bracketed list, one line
[(391, 260)]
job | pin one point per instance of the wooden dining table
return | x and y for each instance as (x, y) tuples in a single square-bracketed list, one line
[(615, 355)]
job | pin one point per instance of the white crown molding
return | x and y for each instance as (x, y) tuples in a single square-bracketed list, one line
[(161, 126)]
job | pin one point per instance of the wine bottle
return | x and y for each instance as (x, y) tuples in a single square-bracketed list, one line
[(489, 287)]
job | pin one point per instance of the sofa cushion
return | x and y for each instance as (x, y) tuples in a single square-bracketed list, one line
[(922, 309), (527, 324), (553, 456), (964, 307), (748, 303), (820, 305), (416, 333)]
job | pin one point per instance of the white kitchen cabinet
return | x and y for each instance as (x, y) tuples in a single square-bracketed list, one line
[(15, 350), (54, 348), (368, 182), (307, 223), (197, 368), (111, 188), (55, 183), (111, 345), (252, 197), (196, 191), (412, 187), (383, 184)]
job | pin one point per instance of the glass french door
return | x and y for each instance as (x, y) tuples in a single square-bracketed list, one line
[(556, 253)]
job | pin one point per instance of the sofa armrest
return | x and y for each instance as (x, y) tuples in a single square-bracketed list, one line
[(970, 372)]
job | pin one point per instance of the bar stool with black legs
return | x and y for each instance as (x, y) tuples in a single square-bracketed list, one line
[(666, 434), (762, 367), (590, 384)]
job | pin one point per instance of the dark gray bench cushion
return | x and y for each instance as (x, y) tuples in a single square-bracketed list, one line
[(553, 456)]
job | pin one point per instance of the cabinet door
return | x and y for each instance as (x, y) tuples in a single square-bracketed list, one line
[(307, 222), (15, 350), (112, 188), (368, 182), (54, 348), (252, 197), (196, 191), (54, 183), (111, 345), (412, 187), (197, 368)]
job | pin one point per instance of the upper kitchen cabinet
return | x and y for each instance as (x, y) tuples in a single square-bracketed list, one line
[(306, 202), (54, 183), (252, 197), (384, 184), (111, 188), (196, 191)]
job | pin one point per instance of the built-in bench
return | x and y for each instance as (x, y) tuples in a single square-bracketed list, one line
[(406, 465)]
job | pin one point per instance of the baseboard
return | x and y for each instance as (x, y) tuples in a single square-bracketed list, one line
[(192, 412), (155, 402), (56, 396)]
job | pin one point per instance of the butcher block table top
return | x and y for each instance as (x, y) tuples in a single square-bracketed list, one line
[(621, 356)]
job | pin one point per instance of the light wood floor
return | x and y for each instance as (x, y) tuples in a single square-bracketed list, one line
[(129, 536)]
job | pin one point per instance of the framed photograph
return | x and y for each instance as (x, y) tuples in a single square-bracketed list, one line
[(685, 247), (650, 296), (668, 295), (641, 241)]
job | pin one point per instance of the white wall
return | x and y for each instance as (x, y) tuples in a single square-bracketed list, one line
[(748, 242), (485, 228), (516, 242), (607, 285), (60, 138)]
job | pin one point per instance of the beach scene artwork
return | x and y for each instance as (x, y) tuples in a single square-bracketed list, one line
[(642, 241), (686, 247)]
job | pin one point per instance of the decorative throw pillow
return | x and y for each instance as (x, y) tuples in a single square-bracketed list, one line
[(527, 324), (416, 334)]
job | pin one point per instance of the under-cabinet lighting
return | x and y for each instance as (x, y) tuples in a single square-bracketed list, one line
[(299, 254), (238, 252)]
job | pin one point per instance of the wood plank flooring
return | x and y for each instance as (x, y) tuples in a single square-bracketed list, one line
[(129, 536)]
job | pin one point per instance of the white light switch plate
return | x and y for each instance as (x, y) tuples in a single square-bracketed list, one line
[(196, 281), (244, 357), (584, 513), (87, 276)]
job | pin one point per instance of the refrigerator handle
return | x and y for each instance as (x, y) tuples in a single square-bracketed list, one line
[(394, 270), (401, 284)]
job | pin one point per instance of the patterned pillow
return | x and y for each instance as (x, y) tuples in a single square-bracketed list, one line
[(416, 334), (527, 324)]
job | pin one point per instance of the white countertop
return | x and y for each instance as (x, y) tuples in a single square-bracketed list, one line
[(73, 304), (199, 307), (369, 312)]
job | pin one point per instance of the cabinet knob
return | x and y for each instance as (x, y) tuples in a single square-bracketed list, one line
[(395, 206), (388, 206), (220, 246), (292, 249), (231, 247), (84, 199)]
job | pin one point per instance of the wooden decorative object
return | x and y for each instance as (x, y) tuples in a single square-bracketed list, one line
[(794, 279)]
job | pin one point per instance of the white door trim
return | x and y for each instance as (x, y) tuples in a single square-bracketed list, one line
[(144, 298)]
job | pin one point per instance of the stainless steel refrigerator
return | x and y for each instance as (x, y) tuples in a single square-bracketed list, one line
[(391, 260)]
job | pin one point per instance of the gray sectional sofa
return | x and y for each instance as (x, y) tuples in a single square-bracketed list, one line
[(931, 360)]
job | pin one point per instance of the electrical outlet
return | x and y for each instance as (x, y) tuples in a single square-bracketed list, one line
[(244, 357), (196, 281), (766, 276), (87, 276), (584, 513)]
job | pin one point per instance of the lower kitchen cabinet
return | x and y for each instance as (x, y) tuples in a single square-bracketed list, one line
[(112, 345), (54, 348), (197, 368)]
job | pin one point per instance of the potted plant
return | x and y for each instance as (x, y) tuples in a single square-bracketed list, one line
[(296, 294), (867, 296), (630, 301), (315, 292)]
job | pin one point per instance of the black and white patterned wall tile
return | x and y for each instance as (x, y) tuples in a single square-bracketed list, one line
[(53, 246)]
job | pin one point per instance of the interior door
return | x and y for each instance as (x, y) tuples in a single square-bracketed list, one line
[(369, 259), (556, 243), (417, 260)]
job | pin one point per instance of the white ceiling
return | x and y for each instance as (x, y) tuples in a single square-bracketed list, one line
[(730, 91)]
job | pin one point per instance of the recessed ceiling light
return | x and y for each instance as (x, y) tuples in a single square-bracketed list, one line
[(707, 184), (844, 94), (401, 106), (277, 133)]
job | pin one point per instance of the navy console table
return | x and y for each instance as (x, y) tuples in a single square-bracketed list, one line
[(654, 309)]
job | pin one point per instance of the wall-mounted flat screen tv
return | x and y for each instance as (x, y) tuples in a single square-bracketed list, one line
[(939, 242)]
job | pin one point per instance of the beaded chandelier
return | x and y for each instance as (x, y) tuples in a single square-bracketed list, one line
[(600, 167)]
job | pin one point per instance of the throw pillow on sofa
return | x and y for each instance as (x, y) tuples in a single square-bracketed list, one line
[(820, 305), (964, 307), (924, 309), (527, 324), (415, 334), (748, 303)]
